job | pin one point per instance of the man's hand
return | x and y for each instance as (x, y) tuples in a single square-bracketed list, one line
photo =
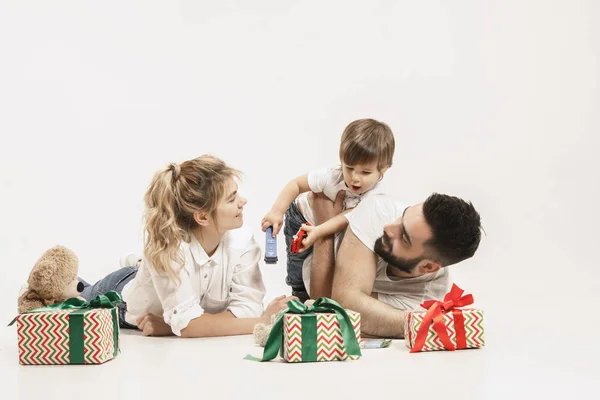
[(323, 208), (152, 325), (275, 306)]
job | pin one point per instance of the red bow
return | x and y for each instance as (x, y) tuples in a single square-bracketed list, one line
[(435, 313)]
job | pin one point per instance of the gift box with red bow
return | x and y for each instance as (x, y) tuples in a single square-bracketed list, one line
[(444, 325)]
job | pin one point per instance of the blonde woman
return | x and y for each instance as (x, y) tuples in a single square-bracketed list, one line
[(199, 275)]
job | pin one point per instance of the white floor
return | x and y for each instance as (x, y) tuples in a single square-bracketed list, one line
[(159, 368), (492, 101)]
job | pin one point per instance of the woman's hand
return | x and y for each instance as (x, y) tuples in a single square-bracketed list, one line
[(152, 325)]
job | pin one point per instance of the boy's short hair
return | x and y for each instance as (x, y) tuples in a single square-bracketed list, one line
[(365, 141)]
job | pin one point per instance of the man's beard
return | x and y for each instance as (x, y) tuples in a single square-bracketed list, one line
[(383, 249)]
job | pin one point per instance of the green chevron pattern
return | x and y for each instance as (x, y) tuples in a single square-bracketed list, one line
[(330, 343), (43, 338), (292, 328), (98, 345), (473, 330)]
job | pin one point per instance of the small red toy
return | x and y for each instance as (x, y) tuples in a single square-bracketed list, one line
[(297, 240)]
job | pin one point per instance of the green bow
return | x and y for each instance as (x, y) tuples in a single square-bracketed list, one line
[(79, 307), (309, 330)]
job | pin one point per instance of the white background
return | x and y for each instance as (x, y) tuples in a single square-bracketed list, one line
[(495, 102)]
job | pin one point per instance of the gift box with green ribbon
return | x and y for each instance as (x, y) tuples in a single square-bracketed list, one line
[(72, 332), (323, 331)]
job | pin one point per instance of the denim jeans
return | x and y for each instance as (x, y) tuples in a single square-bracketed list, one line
[(114, 281), (293, 222)]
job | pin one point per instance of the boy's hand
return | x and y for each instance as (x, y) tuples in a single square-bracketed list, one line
[(313, 233), (273, 218)]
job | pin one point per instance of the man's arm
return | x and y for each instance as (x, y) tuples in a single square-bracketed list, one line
[(323, 259), (355, 272), (321, 271)]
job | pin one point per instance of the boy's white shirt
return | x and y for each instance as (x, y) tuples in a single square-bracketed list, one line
[(229, 280), (330, 181)]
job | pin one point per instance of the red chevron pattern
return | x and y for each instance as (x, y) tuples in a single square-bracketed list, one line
[(43, 338), (98, 340), (473, 330), (292, 332), (330, 343)]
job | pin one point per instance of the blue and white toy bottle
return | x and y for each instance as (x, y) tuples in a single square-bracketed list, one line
[(270, 247)]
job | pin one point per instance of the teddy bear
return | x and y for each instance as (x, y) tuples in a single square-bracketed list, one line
[(261, 331), (53, 279)]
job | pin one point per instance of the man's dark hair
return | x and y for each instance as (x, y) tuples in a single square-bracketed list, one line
[(455, 226)]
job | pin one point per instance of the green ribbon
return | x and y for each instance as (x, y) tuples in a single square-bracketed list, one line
[(309, 330), (79, 308)]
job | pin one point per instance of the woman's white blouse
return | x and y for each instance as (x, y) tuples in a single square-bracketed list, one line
[(229, 280)]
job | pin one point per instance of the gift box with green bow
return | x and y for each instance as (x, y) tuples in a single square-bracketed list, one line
[(71, 332), (323, 331)]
